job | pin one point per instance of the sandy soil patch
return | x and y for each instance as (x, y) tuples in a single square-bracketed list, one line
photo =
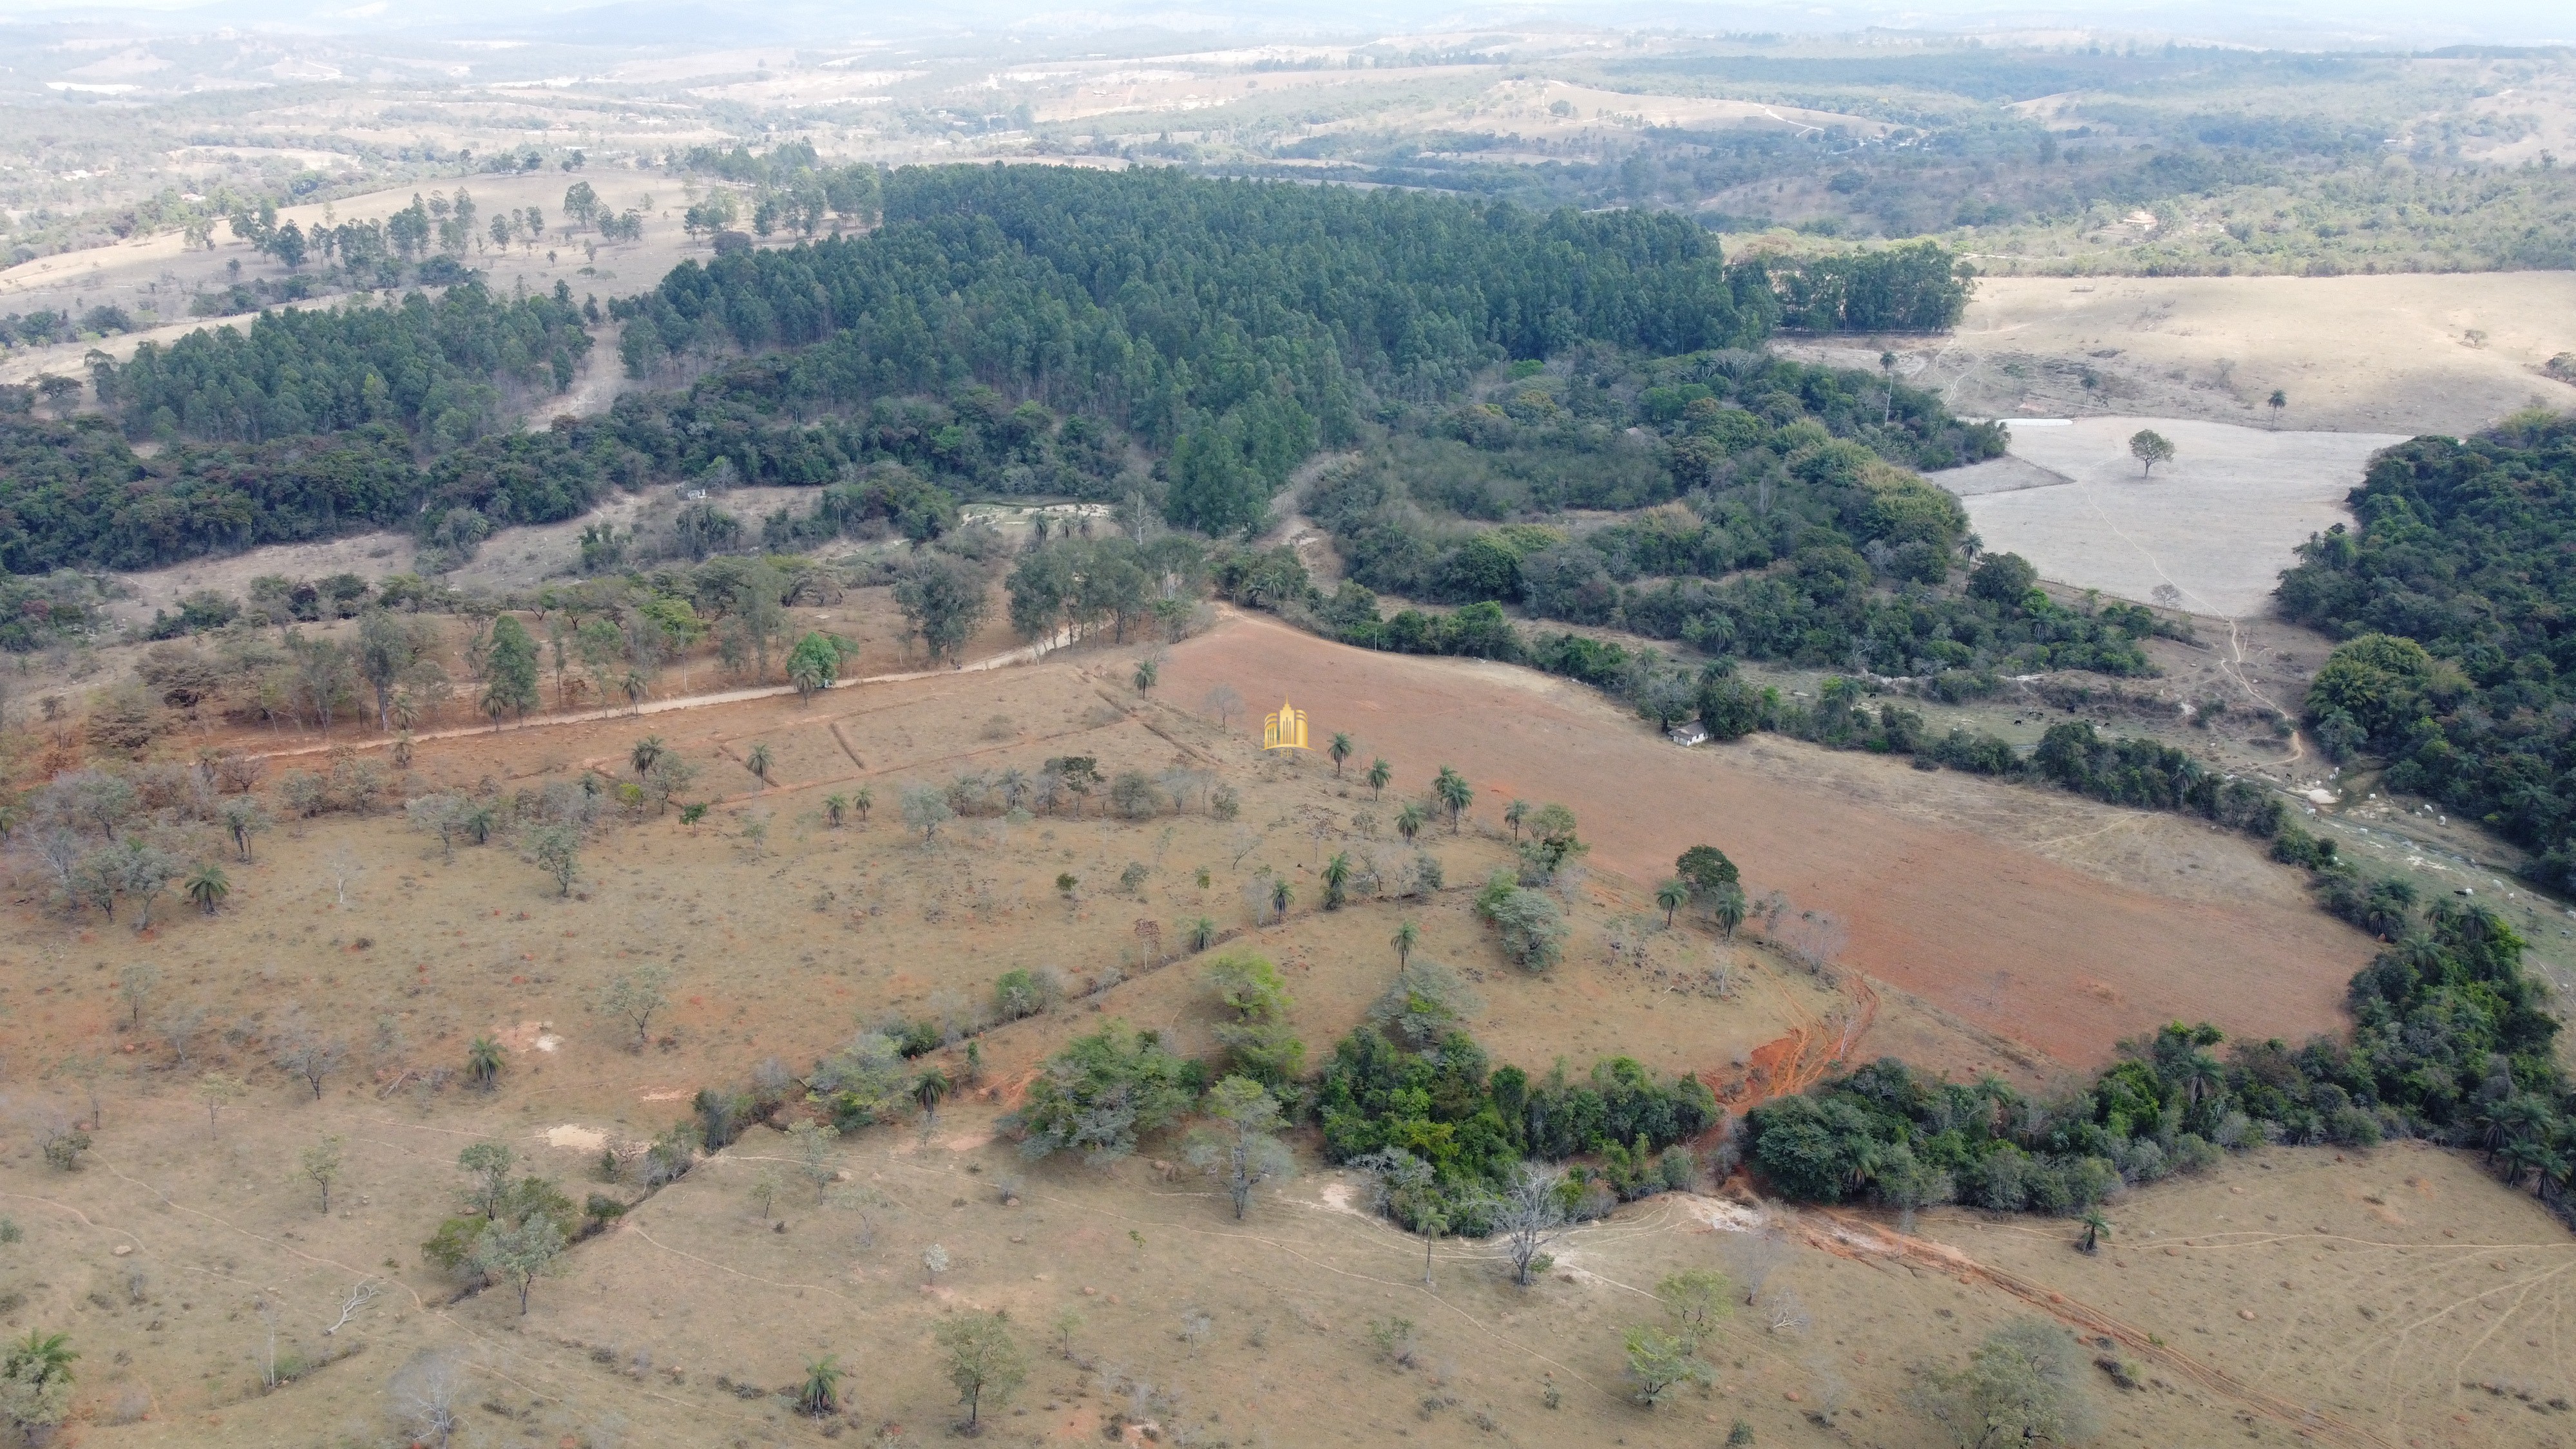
[(2209, 531)]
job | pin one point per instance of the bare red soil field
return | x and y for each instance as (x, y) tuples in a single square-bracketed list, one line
[(1986, 928)]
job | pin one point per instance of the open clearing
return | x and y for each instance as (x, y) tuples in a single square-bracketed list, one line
[(2209, 531), (2388, 354)]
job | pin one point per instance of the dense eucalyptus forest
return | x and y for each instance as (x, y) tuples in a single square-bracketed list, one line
[(1228, 328)]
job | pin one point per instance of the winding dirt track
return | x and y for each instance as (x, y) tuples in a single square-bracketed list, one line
[(1939, 911)]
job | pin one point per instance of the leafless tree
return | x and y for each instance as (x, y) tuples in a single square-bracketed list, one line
[(1224, 703), (299, 1047), (1751, 1256), (268, 1363), (343, 868), (178, 1027), (1530, 1216), (425, 1393)]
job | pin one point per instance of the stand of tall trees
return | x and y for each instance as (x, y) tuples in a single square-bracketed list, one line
[(2459, 662)]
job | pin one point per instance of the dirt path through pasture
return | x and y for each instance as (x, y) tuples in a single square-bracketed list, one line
[(1984, 928), (1024, 655)]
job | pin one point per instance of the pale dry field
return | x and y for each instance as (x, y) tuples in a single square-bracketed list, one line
[(2385, 354), (2209, 531)]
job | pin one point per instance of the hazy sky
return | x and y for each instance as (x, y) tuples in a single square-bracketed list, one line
[(2290, 23)]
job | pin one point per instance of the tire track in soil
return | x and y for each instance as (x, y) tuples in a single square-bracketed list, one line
[(1859, 1240)]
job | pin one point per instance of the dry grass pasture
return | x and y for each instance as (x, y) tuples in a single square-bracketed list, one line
[(2410, 354), (1133, 1290)]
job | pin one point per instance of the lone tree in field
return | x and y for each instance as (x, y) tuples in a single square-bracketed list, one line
[(2276, 402), (819, 1396), (1406, 937), (321, 1166), (135, 983), (1660, 1362), (758, 763), (2023, 1387), (635, 996), (925, 808), (557, 849), (1241, 1148), (983, 1362), (2150, 447), (483, 1062), (1530, 1216), (1340, 749), (302, 1050), (1379, 772), (1224, 703)]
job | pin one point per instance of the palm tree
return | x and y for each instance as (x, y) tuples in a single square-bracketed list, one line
[(930, 1089), (1280, 896), (1729, 910), (757, 762), (1147, 672), (646, 751), (1340, 749), (820, 1395), (1406, 937), (2096, 1228), (1514, 814), (866, 797), (2200, 1074), (1452, 790), (208, 887), (2525, 1159), (1379, 773), (836, 808), (1410, 820), (34, 1366), (483, 1062), (1337, 877), (1201, 933), (1672, 895), (633, 687)]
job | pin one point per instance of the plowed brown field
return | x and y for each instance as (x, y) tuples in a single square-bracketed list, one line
[(1986, 928)]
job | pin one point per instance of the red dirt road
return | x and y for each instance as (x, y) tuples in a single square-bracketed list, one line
[(1940, 911)]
